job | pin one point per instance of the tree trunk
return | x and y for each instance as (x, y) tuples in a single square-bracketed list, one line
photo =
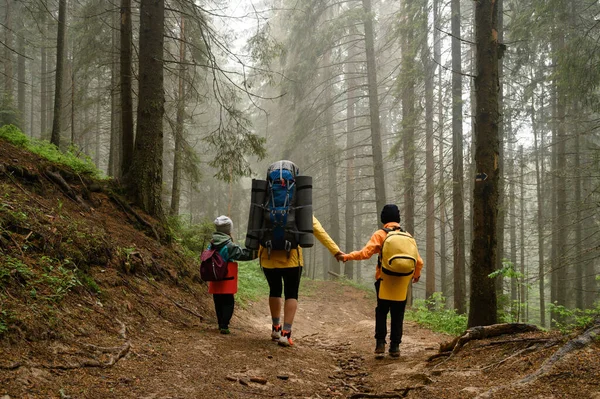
[(332, 160), (60, 58), (440, 111), (522, 290), (351, 100), (501, 134), (179, 131), (145, 177), (457, 165), (98, 131), (540, 212), (125, 73), (114, 154), (483, 310), (562, 233), (21, 89), (554, 276), (429, 164), (8, 56), (43, 79), (380, 196), (408, 50), (512, 210)]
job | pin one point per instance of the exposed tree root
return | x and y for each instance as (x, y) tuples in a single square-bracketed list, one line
[(115, 354), (482, 332), (57, 179), (582, 340), (586, 338), (130, 211), (180, 306), (25, 191)]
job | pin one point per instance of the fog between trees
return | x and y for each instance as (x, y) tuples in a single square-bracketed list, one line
[(380, 101)]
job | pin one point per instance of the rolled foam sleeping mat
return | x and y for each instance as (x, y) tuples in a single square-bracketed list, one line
[(255, 216), (304, 211)]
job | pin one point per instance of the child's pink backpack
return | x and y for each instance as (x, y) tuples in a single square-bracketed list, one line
[(212, 267)]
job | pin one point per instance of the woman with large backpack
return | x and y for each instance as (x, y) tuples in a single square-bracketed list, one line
[(280, 224)]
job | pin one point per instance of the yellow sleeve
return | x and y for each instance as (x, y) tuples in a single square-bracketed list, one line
[(323, 237)]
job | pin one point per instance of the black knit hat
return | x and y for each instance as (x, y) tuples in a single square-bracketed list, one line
[(390, 213)]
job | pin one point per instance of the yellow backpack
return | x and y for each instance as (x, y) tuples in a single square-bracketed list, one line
[(399, 253)]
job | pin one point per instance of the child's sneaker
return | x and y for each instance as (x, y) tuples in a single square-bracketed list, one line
[(276, 332), (224, 331), (286, 339)]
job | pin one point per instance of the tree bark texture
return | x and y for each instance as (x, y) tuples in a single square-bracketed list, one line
[(379, 180), (458, 211), (350, 162), (409, 118), (501, 134), (8, 56), (179, 128), (43, 79), (429, 68), (483, 306), (145, 177), (540, 212), (21, 89), (125, 72), (58, 80), (437, 51)]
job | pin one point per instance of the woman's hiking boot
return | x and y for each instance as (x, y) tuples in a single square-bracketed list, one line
[(276, 332), (394, 349), (380, 346), (286, 338)]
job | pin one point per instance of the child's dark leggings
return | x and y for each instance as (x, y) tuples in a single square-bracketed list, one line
[(396, 310), (224, 304)]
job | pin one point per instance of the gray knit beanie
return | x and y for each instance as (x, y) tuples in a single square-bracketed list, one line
[(223, 224)]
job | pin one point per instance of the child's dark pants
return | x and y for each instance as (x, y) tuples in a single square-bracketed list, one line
[(224, 304), (396, 310)]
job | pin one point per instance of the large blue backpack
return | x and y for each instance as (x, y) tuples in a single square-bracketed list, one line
[(279, 228)]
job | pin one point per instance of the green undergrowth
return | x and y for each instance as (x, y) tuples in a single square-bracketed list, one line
[(433, 314), (252, 284), (37, 287), (568, 320), (73, 157)]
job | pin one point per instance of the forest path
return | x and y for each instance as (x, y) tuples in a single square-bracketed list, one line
[(171, 357), (332, 356)]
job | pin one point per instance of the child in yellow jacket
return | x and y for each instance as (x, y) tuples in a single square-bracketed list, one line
[(391, 290)]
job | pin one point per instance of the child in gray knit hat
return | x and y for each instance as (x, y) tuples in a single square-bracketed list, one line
[(223, 291)]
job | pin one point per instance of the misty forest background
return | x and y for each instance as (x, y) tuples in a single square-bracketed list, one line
[(185, 100)]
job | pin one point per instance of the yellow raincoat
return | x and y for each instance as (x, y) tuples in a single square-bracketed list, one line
[(392, 288)]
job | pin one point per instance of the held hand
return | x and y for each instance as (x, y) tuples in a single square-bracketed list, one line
[(339, 256), (416, 279)]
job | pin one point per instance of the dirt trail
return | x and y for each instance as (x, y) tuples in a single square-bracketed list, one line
[(332, 357), (174, 357)]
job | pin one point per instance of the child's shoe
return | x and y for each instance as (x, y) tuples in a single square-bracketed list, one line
[(286, 339), (380, 346), (394, 350), (276, 332), (224, 331)]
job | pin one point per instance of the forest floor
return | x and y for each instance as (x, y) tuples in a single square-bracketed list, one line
[(141, 325), (332, 357)]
